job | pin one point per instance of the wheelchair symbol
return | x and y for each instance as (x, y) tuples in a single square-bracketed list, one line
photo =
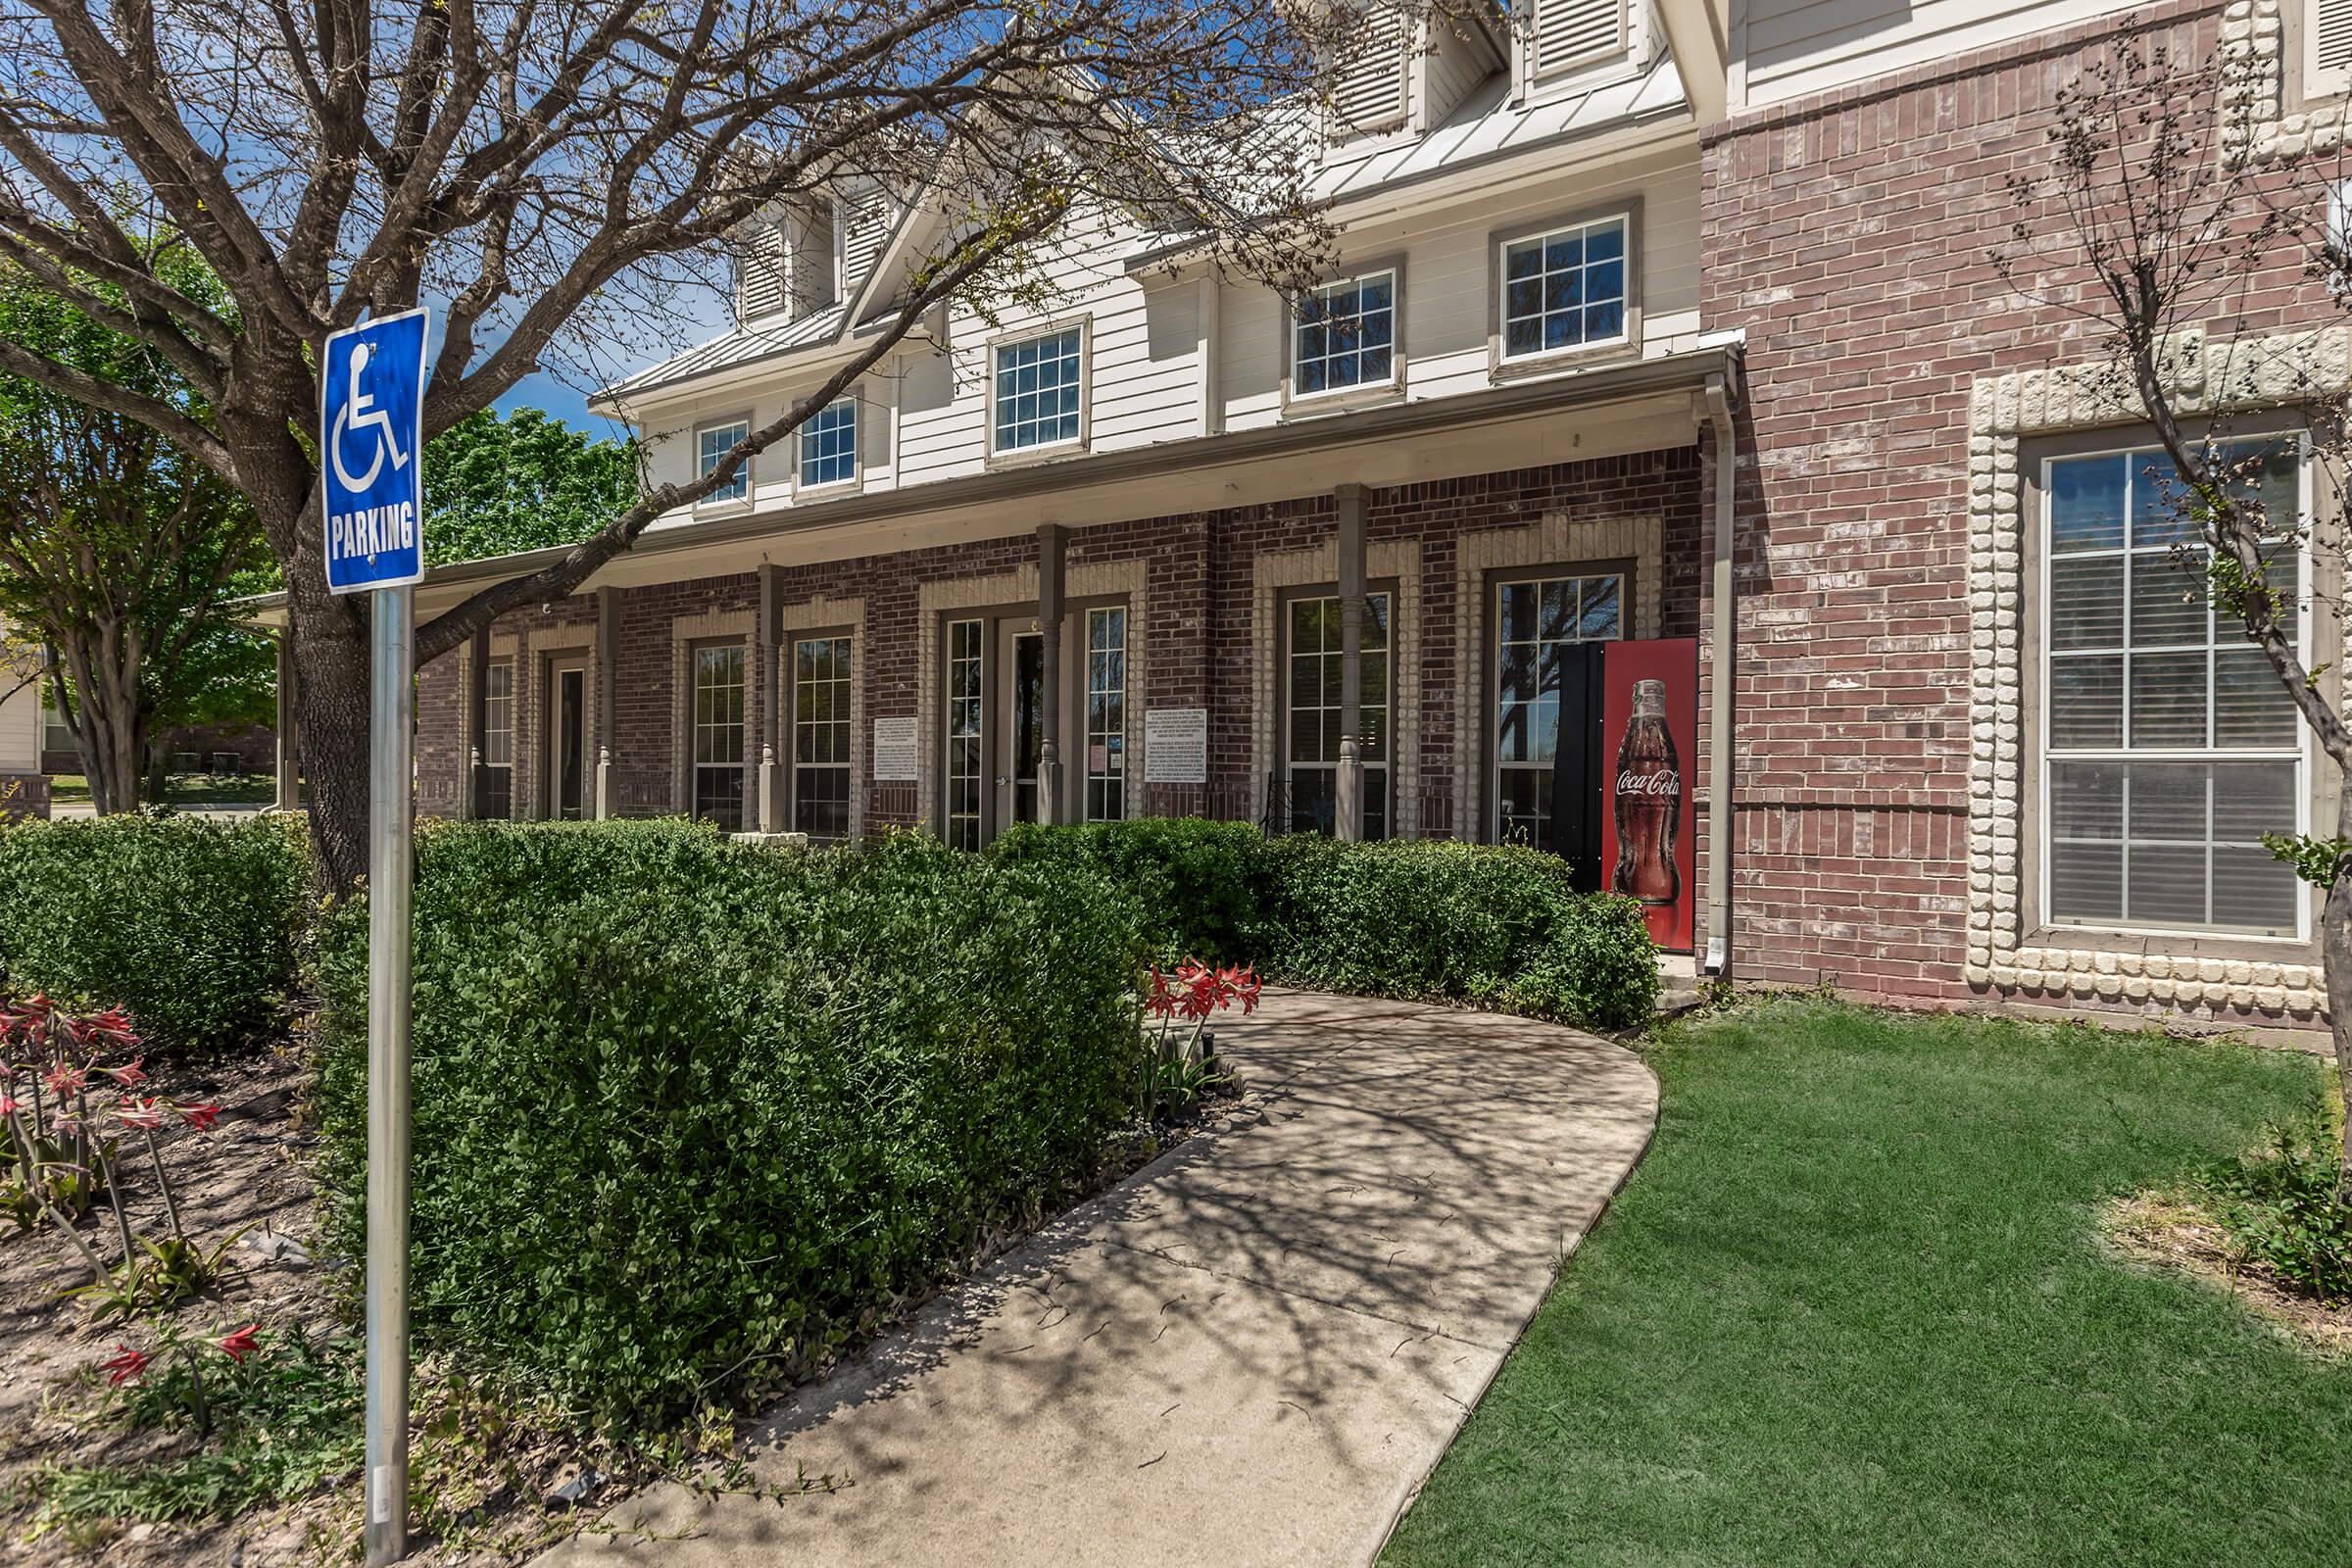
[(360, 413)]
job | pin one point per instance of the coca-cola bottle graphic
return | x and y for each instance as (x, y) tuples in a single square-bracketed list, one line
[(1648, 801)]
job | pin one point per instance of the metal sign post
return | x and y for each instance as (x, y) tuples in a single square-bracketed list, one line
[(371, 429)]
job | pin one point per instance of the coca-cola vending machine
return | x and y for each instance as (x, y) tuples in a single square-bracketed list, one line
[(1649, 736)]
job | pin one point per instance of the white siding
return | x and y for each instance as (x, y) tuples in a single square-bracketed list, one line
[(1794, 47), (1144, 356), (20, 725), (1454, 63)]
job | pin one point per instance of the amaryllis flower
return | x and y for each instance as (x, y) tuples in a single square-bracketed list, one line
[(1161, 1000), (1243, 983), (129, 1073), (126, 1364), (8, 1105), (199, 1117), (111, 1028), (65, 1081), (240, 1345), (146, 1115)]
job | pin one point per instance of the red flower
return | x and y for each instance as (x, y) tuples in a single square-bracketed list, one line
[(109, 1028), (1161, 1000), (129, 1073), (8, 1106), (66, 1082), (1245, 984), (127, 1366), (199, 1117), (240, 1345), (145, 1115)]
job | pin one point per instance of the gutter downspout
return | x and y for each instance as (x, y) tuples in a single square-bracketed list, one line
[(1724, 676)]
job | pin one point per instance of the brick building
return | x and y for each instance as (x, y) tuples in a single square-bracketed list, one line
[(1585, 261)]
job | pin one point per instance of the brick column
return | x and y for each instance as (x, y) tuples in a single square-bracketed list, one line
[(608, 659), (1349, 808), (1051, 554)]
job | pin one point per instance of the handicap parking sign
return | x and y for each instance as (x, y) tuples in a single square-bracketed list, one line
[(371, 423)]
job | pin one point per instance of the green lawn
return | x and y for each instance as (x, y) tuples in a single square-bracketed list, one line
[(1853, 1308), (189, 791)]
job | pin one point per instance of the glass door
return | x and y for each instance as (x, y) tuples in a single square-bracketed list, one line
[(1022, 731), (568, 740)]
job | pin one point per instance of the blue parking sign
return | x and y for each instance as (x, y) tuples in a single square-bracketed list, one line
[(371, 423)]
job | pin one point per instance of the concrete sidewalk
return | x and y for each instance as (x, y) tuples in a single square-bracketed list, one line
[(1250, 1351)]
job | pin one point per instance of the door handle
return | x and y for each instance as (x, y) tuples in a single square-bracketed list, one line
[(1002, 781)]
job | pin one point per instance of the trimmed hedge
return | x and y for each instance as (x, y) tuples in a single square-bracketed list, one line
[(688, 1112), (1492, 925), (191, 923)]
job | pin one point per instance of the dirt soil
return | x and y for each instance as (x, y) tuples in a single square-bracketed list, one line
[(248, 1172), (2173, 1232)]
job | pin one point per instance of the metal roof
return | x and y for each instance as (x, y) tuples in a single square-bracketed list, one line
[(742, 346)]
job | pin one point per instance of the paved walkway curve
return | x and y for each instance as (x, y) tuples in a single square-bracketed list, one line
[(1252, 1351)]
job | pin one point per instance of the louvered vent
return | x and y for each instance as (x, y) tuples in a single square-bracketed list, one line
[(816, 275), (1369, 91), (1572, 32), (866, 225), (758, 270), (2332, 38)]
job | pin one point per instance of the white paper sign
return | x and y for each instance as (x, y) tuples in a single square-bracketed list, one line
[(894, 750), (1176, 746)]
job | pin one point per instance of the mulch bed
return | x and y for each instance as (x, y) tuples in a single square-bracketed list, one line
[(2173, 1232)]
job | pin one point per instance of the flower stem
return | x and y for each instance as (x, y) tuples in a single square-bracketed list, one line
[(164, 1184)]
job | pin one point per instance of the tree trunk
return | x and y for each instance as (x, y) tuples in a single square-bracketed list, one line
[(330, 676), (2335, 959)]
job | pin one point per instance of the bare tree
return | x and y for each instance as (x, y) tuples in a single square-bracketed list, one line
[(560, 174), (2191, 263)]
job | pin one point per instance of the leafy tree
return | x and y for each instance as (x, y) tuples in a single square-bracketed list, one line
[(563, 174), (116, 545), (2164, 235), (496, 487)]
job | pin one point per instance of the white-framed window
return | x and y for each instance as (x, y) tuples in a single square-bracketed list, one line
[(1312, 660), (2168, 744), (967, 754), (498, 739), (718, 735), (1565, 289), (1107, 713), (56, 734), (821, 736), (829, 445), (1345, 336), (1039, 390), (1534, 618), (712, 443)]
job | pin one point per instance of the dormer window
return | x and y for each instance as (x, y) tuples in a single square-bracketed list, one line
[(791, 262), (1560, 36)]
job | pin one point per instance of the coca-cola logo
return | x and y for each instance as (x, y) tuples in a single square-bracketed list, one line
[(1664, 781)]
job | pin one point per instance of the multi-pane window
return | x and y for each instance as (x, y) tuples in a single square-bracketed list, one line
[(1037, 385), (1106, 714), (964, 750), (829, 445), (1345, 336), (1565, 289), (2169, 745), (498, 739), (1534, 621), (713, 442), (820, 737), (718, 732), (1314, 728)]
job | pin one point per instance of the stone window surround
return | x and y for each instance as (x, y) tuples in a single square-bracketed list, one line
[(939, 598), (530, 649), (687, 633), (794, 621), (2003, 957), (1387, 561), (1558, 540), (2267, 34), (1277, 689)]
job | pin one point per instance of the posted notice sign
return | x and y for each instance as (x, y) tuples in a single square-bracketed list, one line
[(372, 424)]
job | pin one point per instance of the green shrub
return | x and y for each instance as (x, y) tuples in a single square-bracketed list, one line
[(688, 1114), (1492, 925), (2278, 1208), (192, 925), (1201, 883)]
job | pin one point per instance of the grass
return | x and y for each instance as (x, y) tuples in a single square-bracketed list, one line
[(189, 791), (1855, 1308)]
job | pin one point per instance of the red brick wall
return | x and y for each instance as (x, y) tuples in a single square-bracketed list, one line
[(1197, 607), (1851, 235)]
